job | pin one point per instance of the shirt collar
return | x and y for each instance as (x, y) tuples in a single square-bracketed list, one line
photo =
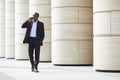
[(34, 21)]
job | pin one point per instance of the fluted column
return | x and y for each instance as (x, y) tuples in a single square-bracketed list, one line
[(2, 28), (9, 29), (21, 15), (107, 35), (44, 9), (72, 32)]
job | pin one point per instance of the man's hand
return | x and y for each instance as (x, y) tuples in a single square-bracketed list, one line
[(30, 19)]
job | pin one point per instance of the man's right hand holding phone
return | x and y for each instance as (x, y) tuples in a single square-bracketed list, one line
[(30, 19)]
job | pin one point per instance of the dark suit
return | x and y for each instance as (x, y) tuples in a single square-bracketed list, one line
[(34, 42), (39, 32)]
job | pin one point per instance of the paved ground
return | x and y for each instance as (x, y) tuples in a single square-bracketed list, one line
[(20, 70)]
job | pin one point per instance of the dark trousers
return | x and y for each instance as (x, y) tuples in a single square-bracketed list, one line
[(34, 44)]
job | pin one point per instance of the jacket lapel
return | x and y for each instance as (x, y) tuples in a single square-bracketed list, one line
[(31, 25)]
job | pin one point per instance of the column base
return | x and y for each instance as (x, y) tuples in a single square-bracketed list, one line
[(73, 64), (111, 71)]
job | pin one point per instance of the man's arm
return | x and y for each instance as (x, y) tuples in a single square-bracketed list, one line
[(42, 34), (25, 24)]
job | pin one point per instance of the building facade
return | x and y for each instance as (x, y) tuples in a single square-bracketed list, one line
[(78, 32)]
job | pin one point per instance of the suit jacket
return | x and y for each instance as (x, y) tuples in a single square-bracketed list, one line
[(39, 33)]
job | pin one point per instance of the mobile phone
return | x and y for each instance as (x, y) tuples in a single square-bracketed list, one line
[(31, 17)]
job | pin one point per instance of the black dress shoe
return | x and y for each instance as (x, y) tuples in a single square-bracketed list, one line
[(36, 69), (32, 68)]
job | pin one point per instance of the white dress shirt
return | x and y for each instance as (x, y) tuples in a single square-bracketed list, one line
[(33, 29)]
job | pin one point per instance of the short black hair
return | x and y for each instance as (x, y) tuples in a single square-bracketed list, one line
[(36, 13)]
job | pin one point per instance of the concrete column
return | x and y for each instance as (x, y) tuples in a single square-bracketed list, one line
[(72, 32), (2, 28), (9, 29), (107, 35), (21, 15), (43, 7)]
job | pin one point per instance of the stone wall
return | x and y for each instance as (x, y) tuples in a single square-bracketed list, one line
[(106, 34), (72, 32), (9, 29)]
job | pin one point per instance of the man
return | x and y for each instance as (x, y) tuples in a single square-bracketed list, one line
[(34, 37)]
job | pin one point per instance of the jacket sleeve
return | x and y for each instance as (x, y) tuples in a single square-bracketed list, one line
[(25, 24), (42, 33)]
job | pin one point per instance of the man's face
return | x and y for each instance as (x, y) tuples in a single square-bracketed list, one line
[(35, 17)]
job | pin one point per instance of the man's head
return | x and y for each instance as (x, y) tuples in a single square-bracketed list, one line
[(36, 16)]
